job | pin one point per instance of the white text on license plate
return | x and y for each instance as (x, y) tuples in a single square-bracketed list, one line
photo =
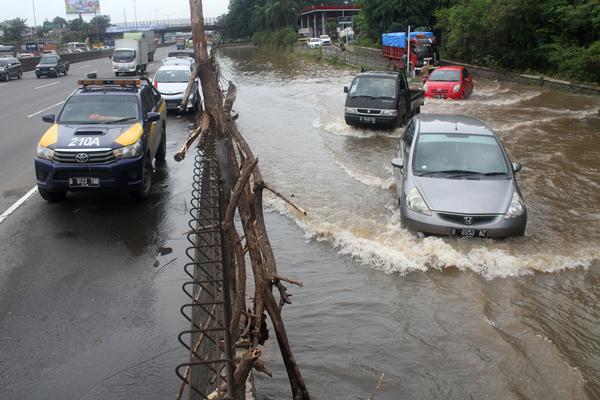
[(84, 182), (370, 120)]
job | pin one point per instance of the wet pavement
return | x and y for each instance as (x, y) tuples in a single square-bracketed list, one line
[(89, 308), (442, 318)]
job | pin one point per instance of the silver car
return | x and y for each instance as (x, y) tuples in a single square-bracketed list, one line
[(455, 178), (171, 81)]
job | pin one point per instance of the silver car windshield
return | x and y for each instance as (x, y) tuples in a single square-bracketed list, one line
[(172, 76), (365, 86), (446, 153)]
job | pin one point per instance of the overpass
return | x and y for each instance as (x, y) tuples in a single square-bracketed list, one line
[(163, 26)]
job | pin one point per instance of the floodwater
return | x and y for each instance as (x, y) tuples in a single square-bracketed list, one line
[(442, 318)]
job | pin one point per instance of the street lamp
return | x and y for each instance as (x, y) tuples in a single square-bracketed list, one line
[(135, 14), (34, 19)]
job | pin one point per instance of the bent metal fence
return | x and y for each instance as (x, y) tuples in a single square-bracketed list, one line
[(210, 366)]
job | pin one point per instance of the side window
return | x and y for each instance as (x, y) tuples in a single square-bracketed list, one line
[(409, 133), (146, 105)]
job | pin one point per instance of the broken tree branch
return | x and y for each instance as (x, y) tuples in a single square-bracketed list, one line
[(196, 133), (188, 88), (282, 197)]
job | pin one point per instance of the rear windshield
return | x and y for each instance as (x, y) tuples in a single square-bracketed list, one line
[(172, 76), (99, 109), (444, 152), (373, 87), (446, 75)]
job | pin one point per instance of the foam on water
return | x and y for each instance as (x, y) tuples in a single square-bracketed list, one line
[(337, 126), (365, 179), (558, 114), (396, 250)]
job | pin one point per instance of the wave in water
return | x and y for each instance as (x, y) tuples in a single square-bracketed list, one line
[(396, 250), (500, 101), (365, 179), (559, 114), (338, 126)]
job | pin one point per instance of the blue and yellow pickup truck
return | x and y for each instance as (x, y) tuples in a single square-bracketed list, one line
[(105, 137)]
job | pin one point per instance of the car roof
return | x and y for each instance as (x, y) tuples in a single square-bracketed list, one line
[(174, 67), (452, 123), (381, 74), (449, 67)]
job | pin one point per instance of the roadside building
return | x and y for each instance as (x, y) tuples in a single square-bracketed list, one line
[(315, 18)]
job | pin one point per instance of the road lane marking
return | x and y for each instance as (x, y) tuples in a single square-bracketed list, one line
[(45, 109), (43, 86), (3, 84), (17, 204), (92, 72), (85, 66)]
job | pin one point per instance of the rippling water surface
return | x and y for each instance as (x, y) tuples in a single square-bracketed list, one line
[(441, 317)]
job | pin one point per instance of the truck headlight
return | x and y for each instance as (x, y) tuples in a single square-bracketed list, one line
[(131, 151), (51, 68), (415, 202), (389, 113), (456, 89), (45, 153), (350, 110), (516, 207)]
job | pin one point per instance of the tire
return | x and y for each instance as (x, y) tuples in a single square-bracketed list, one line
[(161, 153), (37, 75), (418, 110), (4, 78), (65, 72), (52, 197), (19, 74), (117, 74), (144, 190)]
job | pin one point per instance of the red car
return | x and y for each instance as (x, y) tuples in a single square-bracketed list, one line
[(449, 83)]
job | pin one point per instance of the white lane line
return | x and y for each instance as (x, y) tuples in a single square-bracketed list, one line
[(17, 204), (45, 109), (43, 86), (92, 72), (85, 66), (3, 84)]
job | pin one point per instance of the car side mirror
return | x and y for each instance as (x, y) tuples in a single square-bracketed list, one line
[(153, 117), (398, 163), (345, 89), (516, 167), (48, 118)]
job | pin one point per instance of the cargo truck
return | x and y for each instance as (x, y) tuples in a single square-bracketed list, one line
[(146, 36), (423, 48), (130, 56)]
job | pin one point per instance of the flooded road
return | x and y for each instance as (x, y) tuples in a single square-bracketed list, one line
[(442, 318)]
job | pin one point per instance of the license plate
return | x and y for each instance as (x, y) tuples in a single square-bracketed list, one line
[(438, 96), (469, 232), (84, 182), (370, 120)]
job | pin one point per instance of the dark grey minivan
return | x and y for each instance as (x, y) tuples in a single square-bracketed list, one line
[(10, 67), (454, 178)]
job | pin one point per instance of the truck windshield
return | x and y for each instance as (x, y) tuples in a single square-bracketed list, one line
[(123, 55), (99, 109), (172, 76), (451, 153), (371, 86), (445, 75)]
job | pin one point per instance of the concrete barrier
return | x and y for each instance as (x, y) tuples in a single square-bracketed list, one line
[(73, 58)]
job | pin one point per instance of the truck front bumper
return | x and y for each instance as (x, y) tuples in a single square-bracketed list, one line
[(371, 120), (125, 174)]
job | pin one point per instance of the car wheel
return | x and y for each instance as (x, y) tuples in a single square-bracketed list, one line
[(4, 78), (52, 197), (37, 75), (65, 72), (144, 190), (117, 74), (418, 110), (20, 75), (161, 153)]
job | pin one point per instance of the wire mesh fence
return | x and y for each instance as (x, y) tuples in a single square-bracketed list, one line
[(210, 366)]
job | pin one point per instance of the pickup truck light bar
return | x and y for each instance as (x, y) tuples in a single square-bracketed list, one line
[(118, 82)]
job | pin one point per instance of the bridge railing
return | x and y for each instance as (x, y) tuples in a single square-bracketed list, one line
[(159, 24)]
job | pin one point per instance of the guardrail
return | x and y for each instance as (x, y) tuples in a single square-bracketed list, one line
[(29, 64)]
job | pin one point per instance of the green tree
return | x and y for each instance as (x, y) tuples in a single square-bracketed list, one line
[(101, 22), (60, 22)]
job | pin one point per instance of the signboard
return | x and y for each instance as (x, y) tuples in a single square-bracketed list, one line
[(345, 20), (82, 6)]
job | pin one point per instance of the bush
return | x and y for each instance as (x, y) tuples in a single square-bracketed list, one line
[(281, 39)]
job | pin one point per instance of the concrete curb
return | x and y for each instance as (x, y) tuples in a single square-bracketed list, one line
[(29, 64)]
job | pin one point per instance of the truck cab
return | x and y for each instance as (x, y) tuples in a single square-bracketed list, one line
[(105, 137), (381, 99)]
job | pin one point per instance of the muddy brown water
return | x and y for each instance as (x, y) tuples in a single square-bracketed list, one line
[(442, 318)]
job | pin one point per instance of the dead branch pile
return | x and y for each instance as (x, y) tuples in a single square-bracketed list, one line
[(248, 325)]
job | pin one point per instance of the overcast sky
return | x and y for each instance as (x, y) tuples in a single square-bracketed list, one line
[(117, 9)]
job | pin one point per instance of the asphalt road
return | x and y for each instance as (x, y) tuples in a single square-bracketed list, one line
[(88, 305)]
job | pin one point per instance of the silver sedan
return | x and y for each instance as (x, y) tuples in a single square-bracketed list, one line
[(454, 178)]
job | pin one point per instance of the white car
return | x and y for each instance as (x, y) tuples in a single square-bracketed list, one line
[(314, 43), (325, 40), (171, 81), (178, 61)]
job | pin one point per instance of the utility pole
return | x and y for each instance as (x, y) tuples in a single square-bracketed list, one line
[(34, 19), (135, 14)]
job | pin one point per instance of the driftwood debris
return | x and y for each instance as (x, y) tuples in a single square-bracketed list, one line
[(246, 202)]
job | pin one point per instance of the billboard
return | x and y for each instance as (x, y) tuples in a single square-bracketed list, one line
[(82, 6)]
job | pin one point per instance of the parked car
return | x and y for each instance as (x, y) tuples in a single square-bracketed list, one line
[(10, 67), (314, 43), (51, 65), (171, 82), (104, 138), (455, 178), (25, 55), (381, 99), (325, 40), (449, 82)]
